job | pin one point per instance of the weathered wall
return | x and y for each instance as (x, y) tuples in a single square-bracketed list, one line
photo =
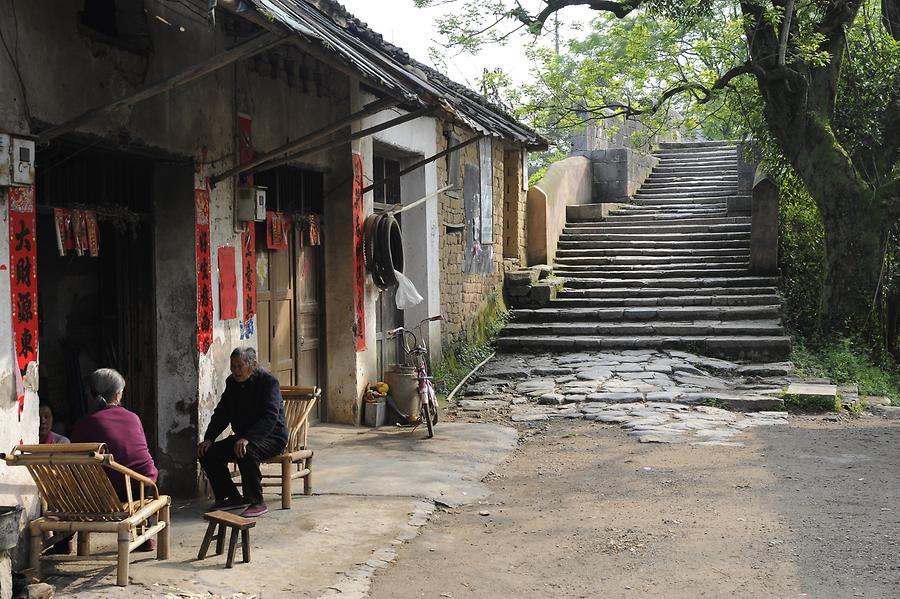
[(66, 73), (619, 172), (464, 295), (567, 182)]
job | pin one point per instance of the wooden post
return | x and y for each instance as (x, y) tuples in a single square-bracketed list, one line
[(245, 545), (124, 540), (34, 551), (162, 547), (84, 542), (286, 484), (232, 544)]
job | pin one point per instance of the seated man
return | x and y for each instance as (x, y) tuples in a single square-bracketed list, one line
[(252, 405)]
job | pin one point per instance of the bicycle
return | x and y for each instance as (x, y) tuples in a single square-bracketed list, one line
[(428, 406)]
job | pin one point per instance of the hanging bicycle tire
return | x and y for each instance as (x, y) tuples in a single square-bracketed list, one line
[(383, 249)]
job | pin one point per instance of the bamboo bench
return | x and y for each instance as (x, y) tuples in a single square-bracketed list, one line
[(77, 496)]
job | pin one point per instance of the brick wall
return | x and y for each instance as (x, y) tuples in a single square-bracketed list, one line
[(464, 295)]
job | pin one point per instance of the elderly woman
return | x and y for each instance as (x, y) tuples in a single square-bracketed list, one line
[(120, 429), (252, 405)]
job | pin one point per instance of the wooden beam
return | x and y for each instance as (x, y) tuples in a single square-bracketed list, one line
[(307, 140), (343, 140), (257, 45), (422, 163)]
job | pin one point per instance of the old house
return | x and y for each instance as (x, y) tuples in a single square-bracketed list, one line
[(179, 180)]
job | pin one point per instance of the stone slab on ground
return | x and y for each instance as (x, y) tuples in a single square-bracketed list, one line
[(811, 392)]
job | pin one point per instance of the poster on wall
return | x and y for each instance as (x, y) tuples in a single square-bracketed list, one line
[(359, 261), (248, 272), (204, 276), (278, 230), (227, 283)]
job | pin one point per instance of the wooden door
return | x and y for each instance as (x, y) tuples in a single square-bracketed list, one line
[(309, 273), (275, 313)]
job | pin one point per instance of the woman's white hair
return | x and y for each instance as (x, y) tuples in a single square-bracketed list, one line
[(106, 383)]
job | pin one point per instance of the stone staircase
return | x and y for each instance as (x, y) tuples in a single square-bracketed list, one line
[(668, 271)]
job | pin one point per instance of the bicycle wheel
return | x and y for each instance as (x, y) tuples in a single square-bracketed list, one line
[(426, 416)]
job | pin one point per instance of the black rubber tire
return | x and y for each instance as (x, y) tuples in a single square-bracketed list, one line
[(426, 416)]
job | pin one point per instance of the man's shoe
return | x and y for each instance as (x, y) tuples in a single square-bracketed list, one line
[(255, 509), (148, 545), (231, 503)]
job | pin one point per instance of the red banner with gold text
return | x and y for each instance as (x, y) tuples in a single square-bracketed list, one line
[(204, 274)]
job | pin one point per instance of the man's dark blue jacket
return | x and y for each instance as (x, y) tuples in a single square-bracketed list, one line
[(254, 409)]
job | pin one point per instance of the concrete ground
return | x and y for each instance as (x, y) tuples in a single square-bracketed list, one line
[(373, 489)]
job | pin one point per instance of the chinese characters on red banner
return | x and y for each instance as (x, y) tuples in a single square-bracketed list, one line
[(204, 276), (278, 230), (359, 261), (227, 283), (248, 271), (23, 282)]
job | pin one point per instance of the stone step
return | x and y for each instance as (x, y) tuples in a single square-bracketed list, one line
[(679, 190), (729, 163), (659, 227), (669, 212), (687, 185), (662, 292), (655, 194), (647, 261), (674, 245), (626, 300), (717, 153), (751, 348), (654, 252), (656, 178), (661, 221), (706, 171), (712, 328), (671, 283), (649, 313), (696, 145), (602, 266), (649, 273), (662, 236)]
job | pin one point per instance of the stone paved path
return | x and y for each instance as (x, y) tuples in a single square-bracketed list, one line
[(658, 396)]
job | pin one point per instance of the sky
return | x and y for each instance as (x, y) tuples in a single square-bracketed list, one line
[(414, 30)]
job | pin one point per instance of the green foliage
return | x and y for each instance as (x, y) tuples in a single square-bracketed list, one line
[(461, 357), (722, 404), (845, 361), (812, 404)]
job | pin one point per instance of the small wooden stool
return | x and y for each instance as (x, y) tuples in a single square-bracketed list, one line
[(235, 523)]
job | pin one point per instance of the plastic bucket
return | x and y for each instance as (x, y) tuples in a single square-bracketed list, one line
[(9, 526)]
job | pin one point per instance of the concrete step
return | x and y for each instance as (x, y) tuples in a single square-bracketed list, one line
[(671, 283), (743, 245), (752, 348), (645, 314), (712, 328), (662, 292), (662, 221), (696, 145), (612, 235), (619, 272), (659, 227), (654, 252), (673, 300), (660, 261)]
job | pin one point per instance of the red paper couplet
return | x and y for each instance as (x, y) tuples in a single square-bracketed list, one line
[(65, 236), (278, 230), (204, 276), (93, 233), (23, 276), (248, 270), (227, 284), (359, 261)]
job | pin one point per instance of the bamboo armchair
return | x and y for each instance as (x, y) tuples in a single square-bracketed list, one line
[(296, 461), (77, 496)]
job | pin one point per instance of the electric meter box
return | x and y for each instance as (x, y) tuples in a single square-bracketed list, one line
[(250, 203), (16, 161)]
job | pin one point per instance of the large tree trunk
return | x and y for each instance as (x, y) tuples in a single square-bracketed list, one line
[(855, 232)]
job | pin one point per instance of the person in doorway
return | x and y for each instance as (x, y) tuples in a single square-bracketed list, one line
[(45, 428), (122, 432), (252, 405)]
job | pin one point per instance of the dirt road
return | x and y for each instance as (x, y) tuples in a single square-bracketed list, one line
[(809, 509)]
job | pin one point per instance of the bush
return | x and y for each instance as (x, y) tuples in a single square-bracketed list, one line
[(845, 362)]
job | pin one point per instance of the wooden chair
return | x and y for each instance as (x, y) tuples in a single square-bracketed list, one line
[(77, 496), (296, 461)]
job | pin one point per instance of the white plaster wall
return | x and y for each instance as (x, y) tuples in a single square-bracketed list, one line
[(421, 241)]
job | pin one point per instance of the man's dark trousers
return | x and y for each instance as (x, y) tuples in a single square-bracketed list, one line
[(215, 463)]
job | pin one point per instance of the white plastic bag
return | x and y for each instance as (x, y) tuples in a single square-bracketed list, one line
[(407, 296)]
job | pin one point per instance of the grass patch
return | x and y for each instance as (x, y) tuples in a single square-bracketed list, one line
[(812, 404), (844, 362), (463, 355)]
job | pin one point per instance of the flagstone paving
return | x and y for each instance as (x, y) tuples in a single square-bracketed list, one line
[(657, 396)]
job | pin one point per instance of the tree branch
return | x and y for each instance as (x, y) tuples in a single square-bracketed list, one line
[(890, 16), (620, 9)]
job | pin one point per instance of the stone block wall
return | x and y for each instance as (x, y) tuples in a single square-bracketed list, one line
[(464, 295), (618, 172)]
